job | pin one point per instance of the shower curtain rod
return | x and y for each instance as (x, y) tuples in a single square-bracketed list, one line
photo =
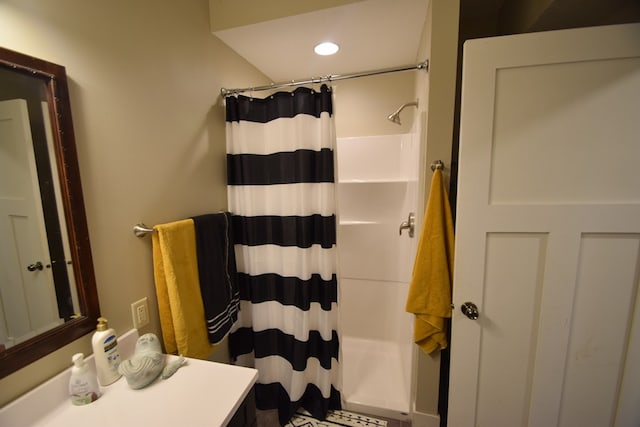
[(330, 78)]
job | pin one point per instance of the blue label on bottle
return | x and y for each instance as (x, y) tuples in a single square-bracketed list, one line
[(109, 347)]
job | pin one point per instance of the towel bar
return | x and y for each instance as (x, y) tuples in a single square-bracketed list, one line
[(141, 230)]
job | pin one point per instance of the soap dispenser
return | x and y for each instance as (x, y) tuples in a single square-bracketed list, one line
[(83, 387), (106, 353)]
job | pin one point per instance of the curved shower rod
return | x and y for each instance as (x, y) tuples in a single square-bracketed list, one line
[(330, 78)]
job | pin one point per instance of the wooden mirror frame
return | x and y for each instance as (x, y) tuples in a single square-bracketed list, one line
[(57, 92)]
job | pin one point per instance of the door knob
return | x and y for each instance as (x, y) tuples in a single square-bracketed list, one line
[(37, 266), (409, 224), (470, 310)]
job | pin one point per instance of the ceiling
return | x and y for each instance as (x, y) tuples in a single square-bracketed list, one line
[(372, 34), (278, 36)]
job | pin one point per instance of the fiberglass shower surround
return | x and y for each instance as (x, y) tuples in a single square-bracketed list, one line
[(375, 269)]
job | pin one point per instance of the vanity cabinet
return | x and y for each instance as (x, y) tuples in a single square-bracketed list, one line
[(200, 394), (245, 416)]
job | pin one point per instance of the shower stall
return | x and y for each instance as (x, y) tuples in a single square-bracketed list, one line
[(377, 194)]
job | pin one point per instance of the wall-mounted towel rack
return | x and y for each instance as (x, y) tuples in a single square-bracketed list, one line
[(141, 230), (437, 165)]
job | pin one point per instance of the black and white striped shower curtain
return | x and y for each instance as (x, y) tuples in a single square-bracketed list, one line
[(280, 171)]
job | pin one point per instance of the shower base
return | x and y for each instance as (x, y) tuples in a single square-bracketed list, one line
[(376, 377)]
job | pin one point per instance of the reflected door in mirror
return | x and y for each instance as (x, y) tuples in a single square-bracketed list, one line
[(48, 295), (28, 304)]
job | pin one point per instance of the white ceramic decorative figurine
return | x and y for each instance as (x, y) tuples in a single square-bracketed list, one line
[(147, 363)]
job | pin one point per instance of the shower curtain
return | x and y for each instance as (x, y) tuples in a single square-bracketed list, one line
[(280, 183)]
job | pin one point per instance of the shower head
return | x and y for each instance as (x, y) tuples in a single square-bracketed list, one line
[(395, 117)]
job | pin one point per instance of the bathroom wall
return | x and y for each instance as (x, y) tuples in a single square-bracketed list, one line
[(361, 106), (144, 82), (225, 15), (439, 44)]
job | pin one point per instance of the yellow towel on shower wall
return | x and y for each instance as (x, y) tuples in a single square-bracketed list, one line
[(430, 288), (175, 269)]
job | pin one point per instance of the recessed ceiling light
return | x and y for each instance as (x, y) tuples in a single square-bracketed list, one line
[(326, 48)]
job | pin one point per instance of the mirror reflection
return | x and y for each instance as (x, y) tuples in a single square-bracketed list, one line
[(47, 286), (36, 284)]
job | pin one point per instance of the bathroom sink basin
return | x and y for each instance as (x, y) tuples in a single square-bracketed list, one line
[(200, 393)]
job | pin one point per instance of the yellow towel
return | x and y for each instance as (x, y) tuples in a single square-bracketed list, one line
[(175, 266), (430, 288)]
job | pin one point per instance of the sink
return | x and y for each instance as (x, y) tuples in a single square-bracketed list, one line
[(199, 393)]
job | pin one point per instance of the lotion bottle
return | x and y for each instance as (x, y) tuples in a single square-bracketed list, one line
[(105, 351), (83, 387)]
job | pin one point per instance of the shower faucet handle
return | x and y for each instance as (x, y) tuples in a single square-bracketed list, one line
[(409, 224)]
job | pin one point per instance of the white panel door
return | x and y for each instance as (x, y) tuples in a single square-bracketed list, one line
[(548, 231), (27, 295)]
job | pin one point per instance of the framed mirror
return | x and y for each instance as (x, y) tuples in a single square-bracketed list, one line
[(48, 295)]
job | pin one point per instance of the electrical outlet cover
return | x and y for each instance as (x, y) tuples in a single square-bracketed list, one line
[(140, 313)]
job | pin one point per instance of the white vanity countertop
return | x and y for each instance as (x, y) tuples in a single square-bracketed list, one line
[(200, 393)]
